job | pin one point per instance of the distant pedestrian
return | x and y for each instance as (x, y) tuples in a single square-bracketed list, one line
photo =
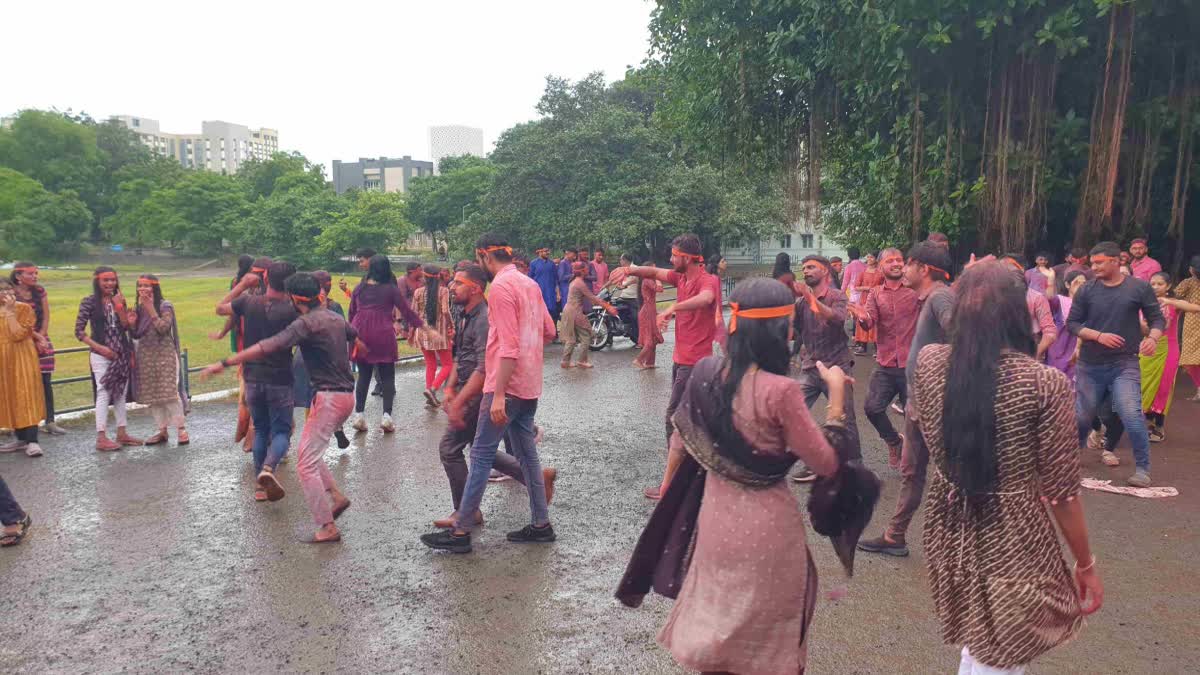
[(999, 430), (108, 318), (546, 275), (24, 278), (432, 303), (649, 334), (575, 328), (21, 404), (601, 268), (158, 381), (869, 279)]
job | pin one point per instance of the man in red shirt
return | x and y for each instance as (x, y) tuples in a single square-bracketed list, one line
[(518, 328), (892, 309), (697, 295), (1142, 265)]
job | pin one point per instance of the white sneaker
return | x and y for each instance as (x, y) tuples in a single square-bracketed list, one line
[(386, 424), (13, 446), (1095, 440), (359, 423), (33, 450)]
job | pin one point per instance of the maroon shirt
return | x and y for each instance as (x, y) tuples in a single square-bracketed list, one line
[(892, 308)]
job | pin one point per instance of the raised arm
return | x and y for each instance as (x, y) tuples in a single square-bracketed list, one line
[(225, 306), (406, 310)]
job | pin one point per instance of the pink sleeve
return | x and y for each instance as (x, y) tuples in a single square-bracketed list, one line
[(673, 278), (802, 435), (502, 313), (1045, 319)]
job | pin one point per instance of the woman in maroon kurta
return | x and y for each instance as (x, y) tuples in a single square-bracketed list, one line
[(371, 306)]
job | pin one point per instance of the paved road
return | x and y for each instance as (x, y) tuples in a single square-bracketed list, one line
[(156, 560)]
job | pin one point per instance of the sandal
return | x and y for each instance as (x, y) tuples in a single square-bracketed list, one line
[(14, 539), (268, 483), (130, 441), (260, 495), (107, 445), (184, 439), (157, 439)]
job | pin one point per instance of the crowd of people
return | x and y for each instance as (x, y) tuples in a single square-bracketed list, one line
[(1003, 374)]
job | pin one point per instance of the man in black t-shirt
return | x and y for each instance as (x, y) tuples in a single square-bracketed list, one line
[(268, 382), (1106, 315)]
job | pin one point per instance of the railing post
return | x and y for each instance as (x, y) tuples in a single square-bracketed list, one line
[(183, 373)]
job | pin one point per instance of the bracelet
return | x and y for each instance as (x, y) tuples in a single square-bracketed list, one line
[(1084, 569), (224, 363)]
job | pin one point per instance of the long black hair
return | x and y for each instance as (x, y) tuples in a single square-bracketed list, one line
[(990, 316), (245, 262), (157, 291), (36, 292), (783, 265), (379, 269), (433, 282), (756, 342), (99, 319)]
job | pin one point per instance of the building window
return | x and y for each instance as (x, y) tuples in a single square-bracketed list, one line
[(806, 241), (785, 241)]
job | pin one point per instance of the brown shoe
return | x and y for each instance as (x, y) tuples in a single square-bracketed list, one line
[(548, 477), (130, 440), (448, 522), (106, 444), (157, 439)]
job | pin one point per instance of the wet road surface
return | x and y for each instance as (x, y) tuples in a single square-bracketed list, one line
[(158, 560)]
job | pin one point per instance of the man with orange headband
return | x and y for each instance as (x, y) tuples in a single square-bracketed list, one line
[(269, 383), (696, 301), (544, 273), (892, 309), (518, 328), (1106, 315), (1142, 265), (821, 314), (324, 339), (926, 273)]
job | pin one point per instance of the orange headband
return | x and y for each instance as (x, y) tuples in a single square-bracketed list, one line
[(506, 249), (1101, 258), (25, 267), (757, 313), (675, 251), (301, 298), (105, 275), (935, 268), (1016, 265), (464, 279), (152, 282), (258, 270)]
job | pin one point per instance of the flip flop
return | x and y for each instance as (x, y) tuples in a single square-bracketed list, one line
[(341, 508), (313, 540), (14, 539), (268, 483)]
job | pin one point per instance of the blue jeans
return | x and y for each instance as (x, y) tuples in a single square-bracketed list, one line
[(1122, 380), (271, 409), (483, 455)]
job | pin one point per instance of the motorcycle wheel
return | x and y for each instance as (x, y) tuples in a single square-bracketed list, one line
[(601, 337)]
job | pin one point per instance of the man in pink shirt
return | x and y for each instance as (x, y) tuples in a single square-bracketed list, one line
[(518, 328), (698, 297), (601, 271), (1142, 265)]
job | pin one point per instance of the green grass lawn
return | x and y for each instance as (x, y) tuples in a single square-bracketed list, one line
[(194, 296)]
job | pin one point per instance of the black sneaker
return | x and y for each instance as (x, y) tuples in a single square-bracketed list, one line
[(342, 441), (531, 534), (446, 540), (804, 476), (882, 545)]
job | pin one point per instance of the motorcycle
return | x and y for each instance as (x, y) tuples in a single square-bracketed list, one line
[(605, 326)]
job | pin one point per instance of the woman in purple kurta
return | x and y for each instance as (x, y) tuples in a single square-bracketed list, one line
[(371, 311)]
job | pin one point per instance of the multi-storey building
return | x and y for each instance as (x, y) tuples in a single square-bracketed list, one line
[(383, 174), (220, 146), (454, 140)]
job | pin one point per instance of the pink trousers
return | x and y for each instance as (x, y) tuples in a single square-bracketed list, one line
[(329, 411)]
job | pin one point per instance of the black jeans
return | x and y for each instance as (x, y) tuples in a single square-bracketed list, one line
[(454, 441), (10, 511), (27, 435), (886, 384), (679, 379), (387, 385), (814, 387), (48, 392), (628, 311)]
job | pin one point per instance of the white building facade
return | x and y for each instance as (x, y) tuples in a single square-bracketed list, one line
[(801, 240), (454, 140), (220, 146)]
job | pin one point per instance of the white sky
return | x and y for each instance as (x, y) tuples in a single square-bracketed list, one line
[(339, 80)]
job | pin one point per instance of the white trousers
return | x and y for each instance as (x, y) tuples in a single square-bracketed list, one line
[(969, 666), (99, 368)]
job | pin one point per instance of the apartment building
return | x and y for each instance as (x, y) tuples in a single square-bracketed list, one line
[(220, 146)]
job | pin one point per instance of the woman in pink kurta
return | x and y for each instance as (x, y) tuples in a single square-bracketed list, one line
[(649, 336), (749, 593)]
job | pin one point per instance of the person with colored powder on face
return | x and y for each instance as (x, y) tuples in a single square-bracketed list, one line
[(107, 314), (324, 339), (564, 276), (1142, 265), (518, 328), (697, 295)]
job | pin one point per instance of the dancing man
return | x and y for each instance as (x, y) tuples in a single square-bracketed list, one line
[(891, 309), (324, 339), (546, 275), (518, 328), (697, 295)]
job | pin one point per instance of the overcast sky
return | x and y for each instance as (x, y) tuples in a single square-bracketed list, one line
[(339, 80)]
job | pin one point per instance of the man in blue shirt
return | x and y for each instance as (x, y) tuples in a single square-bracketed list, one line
[(542, 270)]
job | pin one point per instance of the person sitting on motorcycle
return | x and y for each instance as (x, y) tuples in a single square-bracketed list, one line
[(625, 297), (575, 328)]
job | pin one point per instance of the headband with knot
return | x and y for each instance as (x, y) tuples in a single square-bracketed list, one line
[(757, 313)]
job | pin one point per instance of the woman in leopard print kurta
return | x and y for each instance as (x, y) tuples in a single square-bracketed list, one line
[(1000, 583)]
